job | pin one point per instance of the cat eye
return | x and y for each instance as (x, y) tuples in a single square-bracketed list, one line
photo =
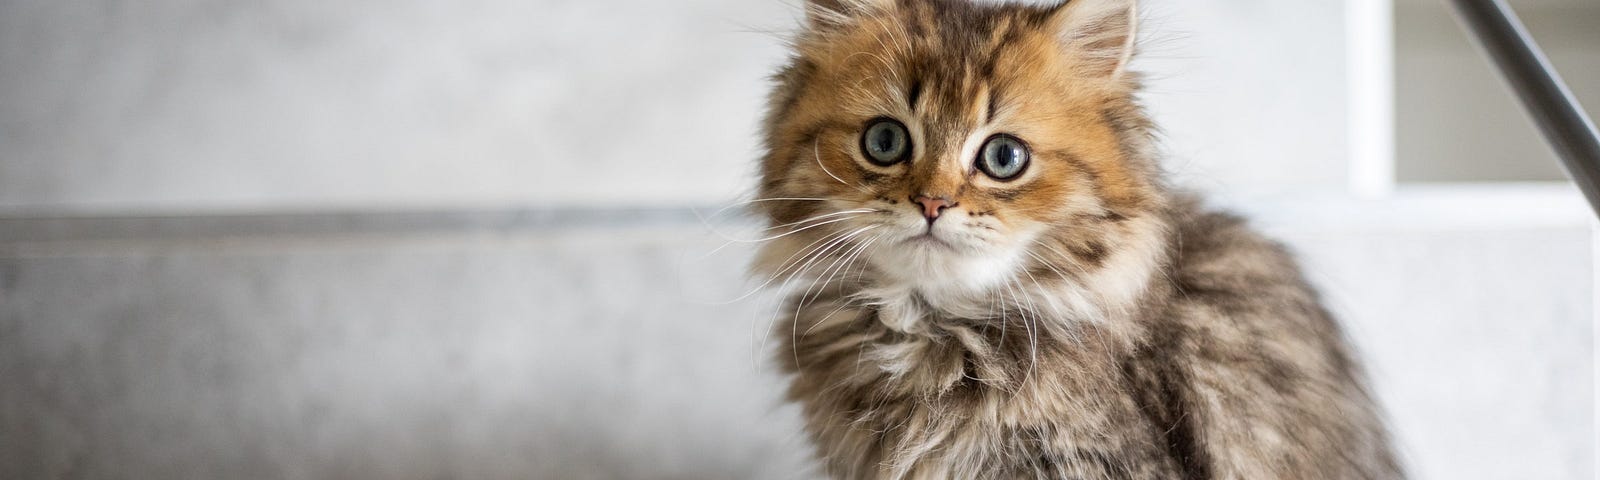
[(1003, 157), (886, 142)]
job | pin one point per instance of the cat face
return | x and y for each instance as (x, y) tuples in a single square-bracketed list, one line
[(949, 147)]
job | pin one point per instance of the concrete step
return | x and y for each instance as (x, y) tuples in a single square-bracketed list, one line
[(571, 349)]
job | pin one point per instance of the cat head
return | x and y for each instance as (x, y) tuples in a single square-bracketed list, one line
[(951, 153)]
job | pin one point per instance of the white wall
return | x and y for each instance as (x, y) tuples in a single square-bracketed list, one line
[(305, 104), (302, 104)]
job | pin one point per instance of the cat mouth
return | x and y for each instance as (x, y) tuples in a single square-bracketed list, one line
[(929, 239)]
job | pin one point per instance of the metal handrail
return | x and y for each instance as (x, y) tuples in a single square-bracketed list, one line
[(1566, 127)]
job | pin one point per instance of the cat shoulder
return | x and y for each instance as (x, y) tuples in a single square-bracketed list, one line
[(1220, 252)]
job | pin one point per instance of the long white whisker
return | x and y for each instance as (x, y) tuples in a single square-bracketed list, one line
[(828, 274), (865, 244), (732, 241), (759, 200), (1027, 325), (822, 216), (822, 252), (816, 152), (803, 252), (705, 220), (763, 231), (784, 266)]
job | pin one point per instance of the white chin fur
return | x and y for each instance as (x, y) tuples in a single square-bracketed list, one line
[(980, 273), (955, 275)]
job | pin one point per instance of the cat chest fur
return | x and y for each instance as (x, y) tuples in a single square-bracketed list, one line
[(969, 399)]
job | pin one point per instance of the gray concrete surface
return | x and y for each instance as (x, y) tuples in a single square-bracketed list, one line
[(586, 351), (570, 355)]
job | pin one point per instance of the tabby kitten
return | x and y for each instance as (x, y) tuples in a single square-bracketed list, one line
[(989, 278)]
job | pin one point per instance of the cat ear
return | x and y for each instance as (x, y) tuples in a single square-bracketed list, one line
[(834, 13), (1099, 34)]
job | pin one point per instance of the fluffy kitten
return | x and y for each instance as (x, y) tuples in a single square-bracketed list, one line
[(990, 279)]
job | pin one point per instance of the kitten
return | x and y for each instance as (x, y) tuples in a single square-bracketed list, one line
[(992, 280)]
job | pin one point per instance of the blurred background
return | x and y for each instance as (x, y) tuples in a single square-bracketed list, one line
[(479, 239)]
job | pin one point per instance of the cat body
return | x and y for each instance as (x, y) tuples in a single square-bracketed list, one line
[(992, 280)]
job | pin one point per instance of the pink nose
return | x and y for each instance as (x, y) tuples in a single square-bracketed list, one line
[(932, 206)]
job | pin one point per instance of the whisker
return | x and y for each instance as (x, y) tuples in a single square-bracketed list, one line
[(828, 274), (803, 252), (1053, 308), (758, 200), (816, 152), (810, 256), (727, 244), (847, 301), (784, 267), (705, 220), (849, 253), (1029, 327), (821, 252), (825, 215), (732, 241)]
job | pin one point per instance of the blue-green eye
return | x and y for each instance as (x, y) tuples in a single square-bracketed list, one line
[(885, 142), (1004, 157)]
